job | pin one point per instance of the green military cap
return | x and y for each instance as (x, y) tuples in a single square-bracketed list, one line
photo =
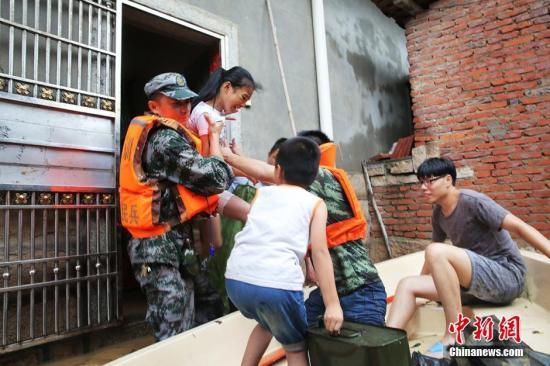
[(171, 84)]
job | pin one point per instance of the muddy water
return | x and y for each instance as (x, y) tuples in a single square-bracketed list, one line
[(105, 354)]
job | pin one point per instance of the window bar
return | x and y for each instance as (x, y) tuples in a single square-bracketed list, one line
[(108, 89), (19, 257), (99, 35), (108, 256), (32, 271), (99, 4), (53, 37), (44, 267), (58, 58), (77, 267), (6, 274), (48, 30), (11, 46), (80, 26), (70, 47), (36, 44), (88, 285), (88, 86), (56, 264), (24, 43), (67, 270), (98, 262)]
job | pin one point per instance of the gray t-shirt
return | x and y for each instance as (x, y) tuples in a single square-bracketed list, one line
[(476, 225)]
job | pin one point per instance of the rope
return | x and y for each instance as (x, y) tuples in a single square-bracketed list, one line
[(281, 70)]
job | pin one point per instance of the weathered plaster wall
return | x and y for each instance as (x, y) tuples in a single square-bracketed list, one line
[(369, 75), (268, 119)]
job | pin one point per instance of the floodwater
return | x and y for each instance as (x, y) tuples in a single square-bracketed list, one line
[(105, 354)]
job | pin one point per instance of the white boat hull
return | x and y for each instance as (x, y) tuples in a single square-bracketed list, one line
[(223, 341)]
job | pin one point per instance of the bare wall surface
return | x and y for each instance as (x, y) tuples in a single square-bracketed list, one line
[(369, 74), (268, 119)]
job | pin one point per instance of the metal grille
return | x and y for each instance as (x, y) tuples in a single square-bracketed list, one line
[(59, 50), (59, 264)]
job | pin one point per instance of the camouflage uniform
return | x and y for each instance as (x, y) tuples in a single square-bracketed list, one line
[(353, 268), (159, 262)]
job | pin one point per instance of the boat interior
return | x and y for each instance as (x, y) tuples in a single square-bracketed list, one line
[(222, 342)]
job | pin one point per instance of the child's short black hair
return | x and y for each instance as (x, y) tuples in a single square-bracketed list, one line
[(436, 167), (318, 136), (276, 145), (299, 157)]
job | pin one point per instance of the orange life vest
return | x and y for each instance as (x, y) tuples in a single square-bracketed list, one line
[(328, 154), (355, 227), (140, 196)]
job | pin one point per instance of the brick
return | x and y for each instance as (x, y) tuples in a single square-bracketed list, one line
[(493, 105), (541, 226), (476, 154), (375, 169), (509, 196), (540, 209), (495, 159), (506, 150), (528, 186), (540, 194), (519, 210), (524, 140), (525, 155), (424, 213), (513, 179)]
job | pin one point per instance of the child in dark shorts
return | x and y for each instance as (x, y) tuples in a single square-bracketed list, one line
[(264, 277)]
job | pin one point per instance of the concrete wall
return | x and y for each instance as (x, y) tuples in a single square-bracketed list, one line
[(369, 71), (367, 64), (268, 119)]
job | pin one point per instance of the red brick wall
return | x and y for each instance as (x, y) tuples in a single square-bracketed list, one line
[(480, 85)]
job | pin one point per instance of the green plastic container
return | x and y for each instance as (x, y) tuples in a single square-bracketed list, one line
[(358, 344)]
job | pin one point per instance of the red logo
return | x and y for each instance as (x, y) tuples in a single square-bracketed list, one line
[(484, 328), (458, 326), (509, 328)]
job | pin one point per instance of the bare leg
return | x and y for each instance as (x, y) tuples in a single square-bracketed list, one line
[(404, 304), (450, 268), (297, 358), (257, 344)]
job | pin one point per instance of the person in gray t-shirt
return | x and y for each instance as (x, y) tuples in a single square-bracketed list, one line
[(483, 264)]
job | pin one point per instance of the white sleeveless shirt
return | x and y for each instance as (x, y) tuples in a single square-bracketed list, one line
[(270, 248)]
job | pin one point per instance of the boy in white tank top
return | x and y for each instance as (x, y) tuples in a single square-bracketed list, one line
[(264, 278)]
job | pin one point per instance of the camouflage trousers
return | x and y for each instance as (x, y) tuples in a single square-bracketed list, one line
[(170, 298)]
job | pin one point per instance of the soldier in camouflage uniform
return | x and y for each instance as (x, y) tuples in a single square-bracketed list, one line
[(162, 264), (361, 292)]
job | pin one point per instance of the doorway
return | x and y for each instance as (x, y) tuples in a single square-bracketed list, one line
[(153, 44)]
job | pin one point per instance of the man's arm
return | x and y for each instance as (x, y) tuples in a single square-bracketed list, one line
[(528, 233), (250, 167), (175, 159), (323, 266)]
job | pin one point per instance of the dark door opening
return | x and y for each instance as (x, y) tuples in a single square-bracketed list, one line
[(152, 45)]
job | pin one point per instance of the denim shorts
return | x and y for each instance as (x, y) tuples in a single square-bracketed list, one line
[(281, 312), (366, 305)]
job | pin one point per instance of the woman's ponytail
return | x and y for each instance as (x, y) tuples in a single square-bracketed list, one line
[(210, 88)]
